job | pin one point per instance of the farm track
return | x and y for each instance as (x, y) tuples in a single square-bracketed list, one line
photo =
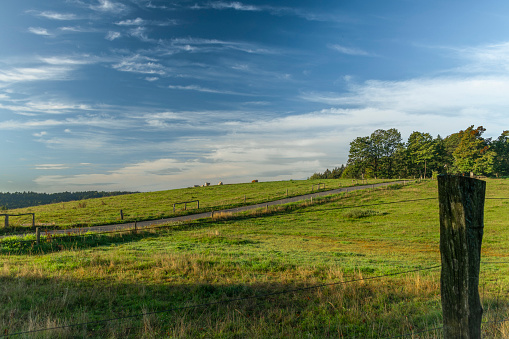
[(190, 217)]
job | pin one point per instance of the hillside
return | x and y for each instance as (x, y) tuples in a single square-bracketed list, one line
[(361, 265), (158, 205), (28, 199)]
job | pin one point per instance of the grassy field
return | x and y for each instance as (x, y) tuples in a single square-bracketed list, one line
[(178, 276), (158, 205)]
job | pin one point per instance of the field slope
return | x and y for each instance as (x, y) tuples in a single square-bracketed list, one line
[(374, 255)]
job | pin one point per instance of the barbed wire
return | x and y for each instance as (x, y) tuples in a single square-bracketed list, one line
[(225, 301)]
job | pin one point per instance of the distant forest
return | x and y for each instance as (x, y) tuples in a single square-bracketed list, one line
[(383, 154), (27, 199)]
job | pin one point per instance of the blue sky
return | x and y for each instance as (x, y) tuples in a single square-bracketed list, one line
[(152, 95)]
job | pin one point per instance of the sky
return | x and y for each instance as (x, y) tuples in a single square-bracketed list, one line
[(149, 95)]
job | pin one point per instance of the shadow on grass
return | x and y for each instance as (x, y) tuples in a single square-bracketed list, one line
[(72, 307)]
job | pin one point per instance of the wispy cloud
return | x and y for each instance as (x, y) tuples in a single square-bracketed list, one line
[(109, 6), (348, 50), (138, 64), (234, 5), (40, 134), (34, 74), (205, 90), (448, 95), (112, 35), (24, 107), (273, 10), (46, 167), (39, 31), (56, 15), (132, 22), (69, 60), (199, 44)]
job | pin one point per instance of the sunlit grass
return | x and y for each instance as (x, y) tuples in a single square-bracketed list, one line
[(158, 205), (259, 253)]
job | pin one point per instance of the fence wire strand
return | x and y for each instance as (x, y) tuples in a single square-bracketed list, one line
[(225, 301)]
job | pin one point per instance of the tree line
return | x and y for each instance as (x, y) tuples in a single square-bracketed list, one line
[(383, 154), (27, 199)]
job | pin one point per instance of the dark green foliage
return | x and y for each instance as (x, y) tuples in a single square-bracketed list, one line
[(373, 156), (27, 199), (334, 174), (383, 155)]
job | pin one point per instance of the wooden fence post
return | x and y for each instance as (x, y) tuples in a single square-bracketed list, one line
[(33, 220), (37, 235), (6, 221), (461, 201), (121, 215)]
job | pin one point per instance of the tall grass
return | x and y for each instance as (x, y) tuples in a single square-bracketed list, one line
[(238, 257)]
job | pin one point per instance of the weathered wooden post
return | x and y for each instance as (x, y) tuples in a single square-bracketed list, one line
[(173, 208), (121, 215), (37, 235), (6, 220), (461, 202), (33, 220)]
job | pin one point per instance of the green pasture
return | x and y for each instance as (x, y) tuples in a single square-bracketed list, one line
[(359, 245), (158, 205)]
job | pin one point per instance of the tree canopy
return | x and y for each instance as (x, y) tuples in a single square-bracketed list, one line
[(383, 154)]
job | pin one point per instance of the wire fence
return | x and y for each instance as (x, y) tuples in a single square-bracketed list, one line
[(227, 301), (267, 295)]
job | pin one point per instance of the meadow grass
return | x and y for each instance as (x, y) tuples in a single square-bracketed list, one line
[(158, 205), (351, 239)]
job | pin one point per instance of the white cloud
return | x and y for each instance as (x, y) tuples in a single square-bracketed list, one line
[(141, 64), (109, 6), (51, 167), (63, 60), (40, 134), (442, 95), (49, 107), (57, 16), (34, 74), (39, 31), (112, 35), (348, 50), (140, 33), (234, 5), (135, 22), (205, 90)]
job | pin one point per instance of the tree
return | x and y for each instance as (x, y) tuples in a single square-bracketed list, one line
[(501, 148), (421, 149), (473, 154), (359, 157), (384, 144), (373, 155)]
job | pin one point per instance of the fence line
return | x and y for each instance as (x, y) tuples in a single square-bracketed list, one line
[(226, 301), (297, 190), (155, 227), (320, 210)]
